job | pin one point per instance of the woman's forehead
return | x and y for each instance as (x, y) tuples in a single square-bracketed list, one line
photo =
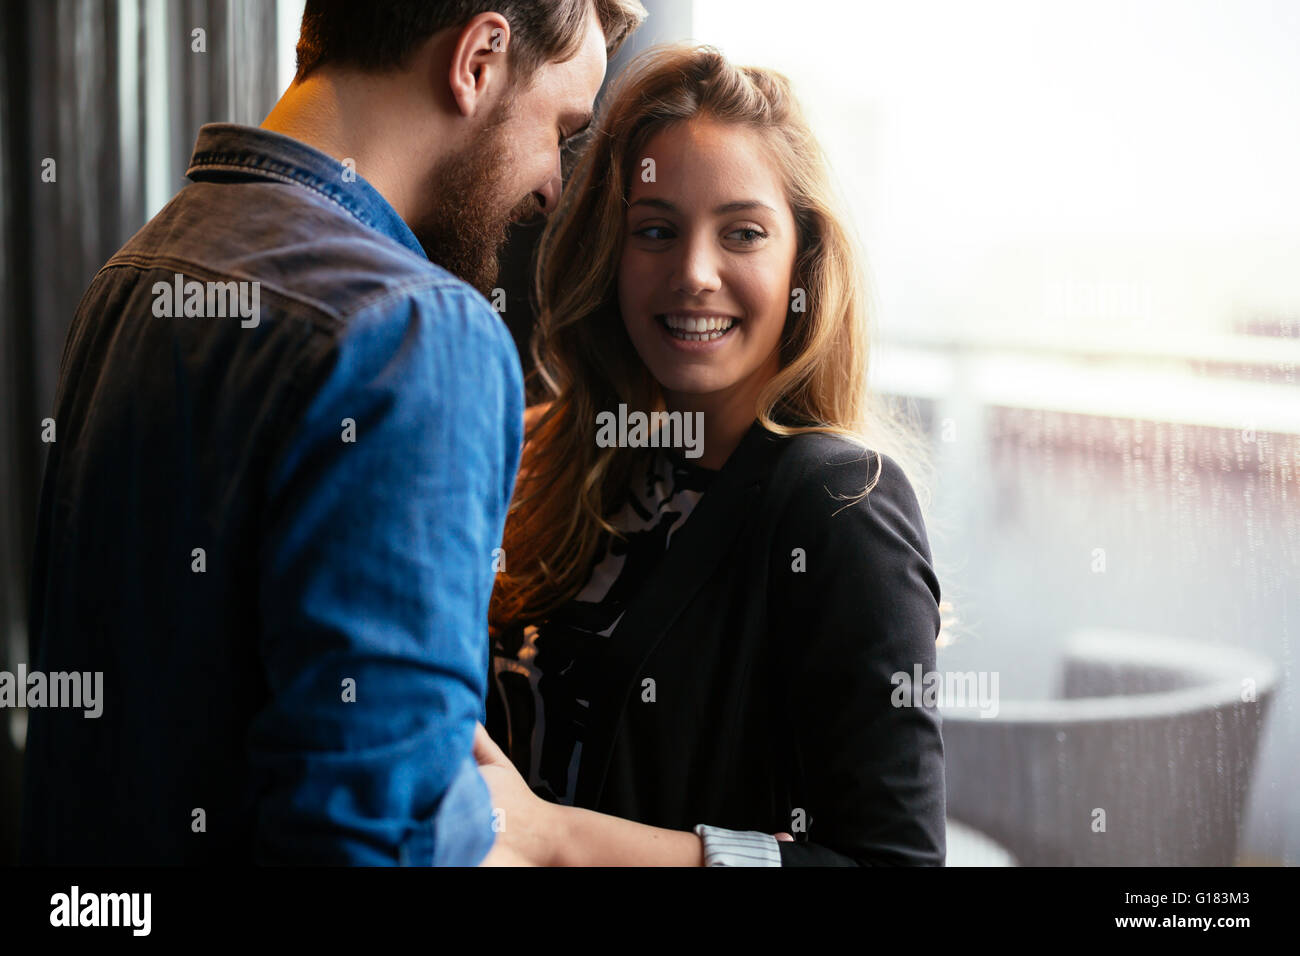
[(722, 164)]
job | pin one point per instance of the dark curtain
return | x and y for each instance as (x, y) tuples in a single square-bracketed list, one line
[(83, 80)]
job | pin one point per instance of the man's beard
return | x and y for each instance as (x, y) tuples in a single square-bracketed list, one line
[(467, 224)]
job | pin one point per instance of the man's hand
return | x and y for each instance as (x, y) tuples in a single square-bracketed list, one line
[(531, 828)]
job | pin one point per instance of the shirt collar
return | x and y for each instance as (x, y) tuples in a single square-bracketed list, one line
[(225, 151)]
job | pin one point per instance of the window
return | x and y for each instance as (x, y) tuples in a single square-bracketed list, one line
[(1082, 227)]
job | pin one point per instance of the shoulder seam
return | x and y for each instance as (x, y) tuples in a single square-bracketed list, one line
[(431, 282)]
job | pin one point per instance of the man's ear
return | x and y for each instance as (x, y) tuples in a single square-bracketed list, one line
[(479, 72)]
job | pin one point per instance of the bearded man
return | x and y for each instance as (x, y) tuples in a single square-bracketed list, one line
[(273, 535)]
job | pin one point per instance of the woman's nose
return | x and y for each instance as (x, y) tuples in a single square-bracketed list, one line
[(696, 271)]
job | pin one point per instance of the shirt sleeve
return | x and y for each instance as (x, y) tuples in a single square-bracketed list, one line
[(375, 574), (855, 602), (738, 847)]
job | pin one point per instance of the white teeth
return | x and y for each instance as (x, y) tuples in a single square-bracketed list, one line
[(698, 324), (697, 336)]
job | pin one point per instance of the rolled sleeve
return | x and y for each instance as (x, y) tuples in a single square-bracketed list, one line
[(376, 572), (738, 847), (457, 833)]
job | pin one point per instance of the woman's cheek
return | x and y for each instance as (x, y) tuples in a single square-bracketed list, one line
[(633, 281), (762, 298)]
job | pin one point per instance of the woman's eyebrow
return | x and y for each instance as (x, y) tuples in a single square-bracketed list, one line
[(739, 205), (654, 203)]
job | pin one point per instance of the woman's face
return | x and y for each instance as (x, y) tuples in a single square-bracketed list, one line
[(705, 275)]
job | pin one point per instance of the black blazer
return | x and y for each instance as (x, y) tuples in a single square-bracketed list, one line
[(773, 705)]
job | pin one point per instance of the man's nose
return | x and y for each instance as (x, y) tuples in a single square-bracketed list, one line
[(548, 196)]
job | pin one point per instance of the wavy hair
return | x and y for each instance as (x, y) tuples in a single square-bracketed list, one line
[(568, 486)]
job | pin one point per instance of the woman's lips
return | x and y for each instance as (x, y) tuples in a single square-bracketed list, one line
[(693, 331)]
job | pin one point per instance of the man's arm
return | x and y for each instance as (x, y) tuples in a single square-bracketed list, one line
[(375, 571)]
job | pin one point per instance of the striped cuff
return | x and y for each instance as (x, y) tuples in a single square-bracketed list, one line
[(738, 847)]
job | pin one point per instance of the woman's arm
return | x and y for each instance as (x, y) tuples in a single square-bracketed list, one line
[(588, 838), (551, 834), (854, 607)]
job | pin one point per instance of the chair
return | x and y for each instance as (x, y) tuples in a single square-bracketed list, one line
[(1152, 737)]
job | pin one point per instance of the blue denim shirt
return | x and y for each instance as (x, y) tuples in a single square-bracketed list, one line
[(271, 533)]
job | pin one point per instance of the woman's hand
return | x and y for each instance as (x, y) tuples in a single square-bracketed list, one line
[(530, 827), (537, 833)]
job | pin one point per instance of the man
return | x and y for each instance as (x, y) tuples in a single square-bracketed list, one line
[(286, 443)]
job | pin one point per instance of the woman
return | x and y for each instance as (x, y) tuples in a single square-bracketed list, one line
[(698, 648)]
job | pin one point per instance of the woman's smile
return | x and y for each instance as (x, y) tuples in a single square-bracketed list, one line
[(695, 331), (707, 265)]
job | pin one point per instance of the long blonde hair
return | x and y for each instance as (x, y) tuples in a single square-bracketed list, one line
[(568, 485)]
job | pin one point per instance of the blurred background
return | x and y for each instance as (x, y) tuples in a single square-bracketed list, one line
[(1082, 227)]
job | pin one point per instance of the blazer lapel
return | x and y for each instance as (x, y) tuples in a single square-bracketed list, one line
[(696, 547)]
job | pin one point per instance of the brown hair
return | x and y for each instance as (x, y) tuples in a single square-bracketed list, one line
[(381, 34), (567, 485)]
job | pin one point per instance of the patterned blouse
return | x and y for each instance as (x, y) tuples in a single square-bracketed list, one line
[(543, 674)]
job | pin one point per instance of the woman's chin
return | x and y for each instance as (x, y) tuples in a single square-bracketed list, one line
[(693, 385)]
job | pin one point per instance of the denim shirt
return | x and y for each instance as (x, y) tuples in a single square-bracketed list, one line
[(271, 532)]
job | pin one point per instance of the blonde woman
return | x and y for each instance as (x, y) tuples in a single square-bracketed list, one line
[(707, 654)]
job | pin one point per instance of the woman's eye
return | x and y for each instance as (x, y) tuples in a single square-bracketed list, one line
[(654, 232), (748, 235)]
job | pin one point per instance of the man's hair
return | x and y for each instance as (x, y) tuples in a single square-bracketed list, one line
[(380, 35)]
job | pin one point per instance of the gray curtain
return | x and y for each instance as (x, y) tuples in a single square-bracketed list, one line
[(113, 92)]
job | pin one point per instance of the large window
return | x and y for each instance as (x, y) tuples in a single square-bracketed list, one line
[(1082, 227), (1110, 175)]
